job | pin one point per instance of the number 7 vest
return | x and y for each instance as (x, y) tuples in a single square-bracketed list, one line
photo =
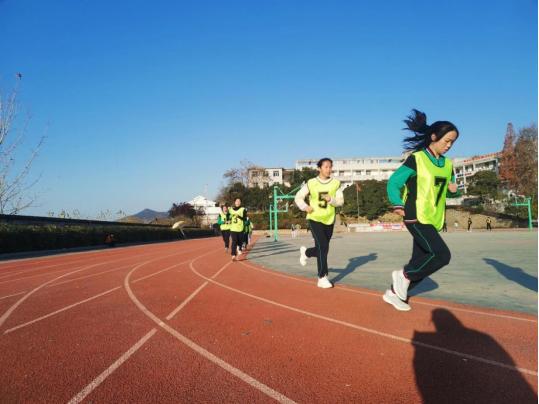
[(432, 183), (322, 212)]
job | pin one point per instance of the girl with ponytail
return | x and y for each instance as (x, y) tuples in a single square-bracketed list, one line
[(417, 191)]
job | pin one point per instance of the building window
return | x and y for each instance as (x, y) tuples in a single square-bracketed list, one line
[(276, 173), (368, 172)]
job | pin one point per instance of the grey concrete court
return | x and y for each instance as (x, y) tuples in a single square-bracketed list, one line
[(496, 269)]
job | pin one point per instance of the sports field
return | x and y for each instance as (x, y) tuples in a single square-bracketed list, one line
[(180, 322), (491, 269)]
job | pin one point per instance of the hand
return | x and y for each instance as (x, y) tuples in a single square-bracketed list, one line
[(399, 212), (327, 198), (309, 209), (452, 188)]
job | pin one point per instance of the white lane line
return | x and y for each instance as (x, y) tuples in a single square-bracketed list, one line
[(159, 272), (89, 276), (197, 348), (341, 287), (32, 276), (15, 294), (99, 379), (181, 306), (60, 310), (9, 311), (120, 268), (12, 274), (170, 267), (33, 269), (100, 253), (60, 270), (372, 331), (78, 303)]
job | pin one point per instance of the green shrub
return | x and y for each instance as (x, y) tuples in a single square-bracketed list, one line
[(19, 238)]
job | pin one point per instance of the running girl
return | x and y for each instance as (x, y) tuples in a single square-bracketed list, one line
[(324, 195), (224, 221), (237, 215), (426, 176)]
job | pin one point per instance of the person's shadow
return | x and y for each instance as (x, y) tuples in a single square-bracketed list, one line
[(426, 285), (514, 274), (272, 253), (444, 377), (353, 263)]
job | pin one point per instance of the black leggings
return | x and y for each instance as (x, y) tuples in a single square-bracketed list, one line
[(430, 253), (322, 235), (237, 239), (226, 237)]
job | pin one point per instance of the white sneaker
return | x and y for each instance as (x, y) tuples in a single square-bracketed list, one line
[(302, 256), (324, 283), (393, 299), (238, 251), (400, 284), (233, 258)]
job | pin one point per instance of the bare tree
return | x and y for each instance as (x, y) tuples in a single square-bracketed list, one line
[(15, 184), (240, 174)]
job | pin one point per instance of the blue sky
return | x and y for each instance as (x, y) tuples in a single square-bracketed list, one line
[(147, 102)]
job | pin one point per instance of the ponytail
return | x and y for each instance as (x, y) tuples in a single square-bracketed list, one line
[(416, 123)]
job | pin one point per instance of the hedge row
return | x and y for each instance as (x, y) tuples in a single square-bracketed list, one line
[(20, 238), (285, 220)]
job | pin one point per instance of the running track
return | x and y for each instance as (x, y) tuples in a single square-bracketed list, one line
[(179, 322)]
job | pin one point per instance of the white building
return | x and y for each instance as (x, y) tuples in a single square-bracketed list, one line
[(350, 170), (211, 211), (466, 167), (268, 176)]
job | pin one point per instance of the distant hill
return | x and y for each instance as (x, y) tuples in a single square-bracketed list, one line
[(145, 216)]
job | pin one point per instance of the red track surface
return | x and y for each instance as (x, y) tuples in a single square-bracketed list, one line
[(178, 322)]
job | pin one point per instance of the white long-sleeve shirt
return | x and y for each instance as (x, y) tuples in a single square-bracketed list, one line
[(299, 199)]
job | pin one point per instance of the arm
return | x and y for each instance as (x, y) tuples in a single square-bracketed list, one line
[(338, 200), (450, 193), (299, 200), (220, 220), (398, 180)]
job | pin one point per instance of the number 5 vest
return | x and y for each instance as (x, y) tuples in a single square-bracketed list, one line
[(322, 212)]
